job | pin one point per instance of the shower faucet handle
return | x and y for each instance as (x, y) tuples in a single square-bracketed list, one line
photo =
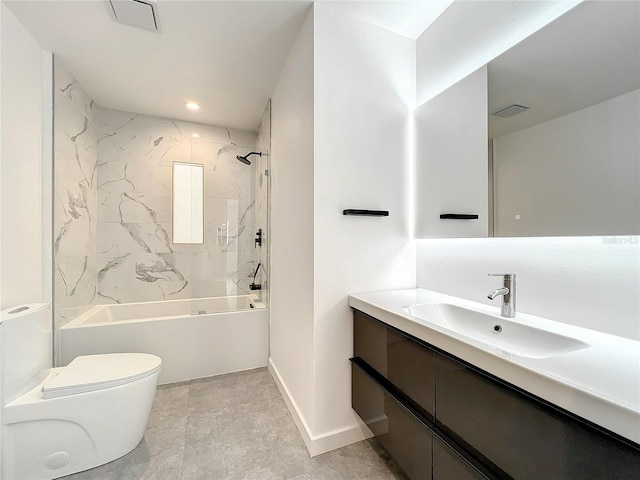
[(258, 240)]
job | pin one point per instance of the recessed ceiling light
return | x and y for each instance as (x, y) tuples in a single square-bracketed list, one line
[(193, 106), (195, 135)]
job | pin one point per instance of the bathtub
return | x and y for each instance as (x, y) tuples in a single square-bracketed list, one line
[(195, 338)]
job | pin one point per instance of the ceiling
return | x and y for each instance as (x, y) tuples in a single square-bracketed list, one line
[(409, 19), (225, 55), (588, 55)]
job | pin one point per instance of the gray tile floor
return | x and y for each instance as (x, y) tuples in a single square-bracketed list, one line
[(233, 426)]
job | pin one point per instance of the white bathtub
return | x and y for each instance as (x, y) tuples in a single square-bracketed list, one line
[(195, 338)]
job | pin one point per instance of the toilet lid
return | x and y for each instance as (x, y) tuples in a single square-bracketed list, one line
[(96, 372)]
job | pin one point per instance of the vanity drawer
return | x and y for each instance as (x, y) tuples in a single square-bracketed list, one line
[(407, 364), (400, 432), (448, 464), (522, 436), (370, 341)]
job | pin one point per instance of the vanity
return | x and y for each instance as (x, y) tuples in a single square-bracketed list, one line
[(451, 397), (540, 142)]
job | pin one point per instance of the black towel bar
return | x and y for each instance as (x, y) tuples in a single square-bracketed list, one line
[(458, 216), (367, 213)]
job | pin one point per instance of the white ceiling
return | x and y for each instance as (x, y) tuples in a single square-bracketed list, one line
[(226, 55), (409, 19)]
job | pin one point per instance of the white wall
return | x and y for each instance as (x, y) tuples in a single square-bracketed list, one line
[(452, 175), (25, 140), (577, 174), (592, 282), (340, 119), (364, 90), (469, 34), (292, 292), (21, 155)]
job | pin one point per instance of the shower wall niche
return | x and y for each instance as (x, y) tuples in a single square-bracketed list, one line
[(112, 213)]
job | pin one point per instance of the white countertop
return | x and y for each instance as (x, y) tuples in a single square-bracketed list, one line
[(600, 383)]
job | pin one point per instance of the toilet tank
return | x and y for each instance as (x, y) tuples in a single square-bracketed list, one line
[(25, 348)]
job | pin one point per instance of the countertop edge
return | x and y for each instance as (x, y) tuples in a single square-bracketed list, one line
[(606, 412)]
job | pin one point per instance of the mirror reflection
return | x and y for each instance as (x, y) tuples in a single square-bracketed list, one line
[(564, 123)]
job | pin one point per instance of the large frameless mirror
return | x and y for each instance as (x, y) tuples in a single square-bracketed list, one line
[(188, 203), (568, 162), (562, 113)]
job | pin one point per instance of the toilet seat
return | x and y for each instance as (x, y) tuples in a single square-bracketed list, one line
[(89, 373)]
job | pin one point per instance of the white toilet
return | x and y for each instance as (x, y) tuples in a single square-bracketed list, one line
[(58, 421)]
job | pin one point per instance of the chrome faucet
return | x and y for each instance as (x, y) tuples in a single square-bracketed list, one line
[(507, 292)]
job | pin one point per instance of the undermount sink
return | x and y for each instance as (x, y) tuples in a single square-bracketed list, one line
[(506, 335)]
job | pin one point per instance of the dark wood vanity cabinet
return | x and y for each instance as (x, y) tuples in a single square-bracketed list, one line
[(441, 418), (448, 464), (525, 438), (402, 361), (401, 434), (406, 434), (393, 391)]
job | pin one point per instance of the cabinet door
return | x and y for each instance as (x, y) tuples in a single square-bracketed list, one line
[(522, 436), (370, 341), (411, 368), (407, 364), (449, 465), (405, 438)]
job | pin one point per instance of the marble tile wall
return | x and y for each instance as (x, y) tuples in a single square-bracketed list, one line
[(112, 206), (75, 203), (136, 258)]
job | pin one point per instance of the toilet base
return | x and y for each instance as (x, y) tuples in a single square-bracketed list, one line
[(47, 439)]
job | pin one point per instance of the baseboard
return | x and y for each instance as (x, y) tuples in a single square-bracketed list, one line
[(318, 444)]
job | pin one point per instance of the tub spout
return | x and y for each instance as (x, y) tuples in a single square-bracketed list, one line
[(254, 285)]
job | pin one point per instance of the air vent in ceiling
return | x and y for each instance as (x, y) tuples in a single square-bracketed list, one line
[(137, 13), (511, 110)]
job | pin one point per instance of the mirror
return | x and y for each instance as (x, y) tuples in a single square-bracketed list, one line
[(565, 154), (188, 203)]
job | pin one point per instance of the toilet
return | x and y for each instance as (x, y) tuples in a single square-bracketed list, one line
[(58, 421)]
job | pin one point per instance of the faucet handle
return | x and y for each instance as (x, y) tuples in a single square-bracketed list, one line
[(505, 275)]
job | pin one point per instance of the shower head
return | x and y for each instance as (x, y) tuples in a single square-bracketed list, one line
[(245, 159)]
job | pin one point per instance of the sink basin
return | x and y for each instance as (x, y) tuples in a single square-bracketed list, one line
[(507, 336)]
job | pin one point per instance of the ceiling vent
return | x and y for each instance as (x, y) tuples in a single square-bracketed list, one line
[(137, 13), (511, 110)]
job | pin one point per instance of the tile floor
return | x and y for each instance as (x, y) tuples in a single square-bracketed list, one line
[(234, 426)]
